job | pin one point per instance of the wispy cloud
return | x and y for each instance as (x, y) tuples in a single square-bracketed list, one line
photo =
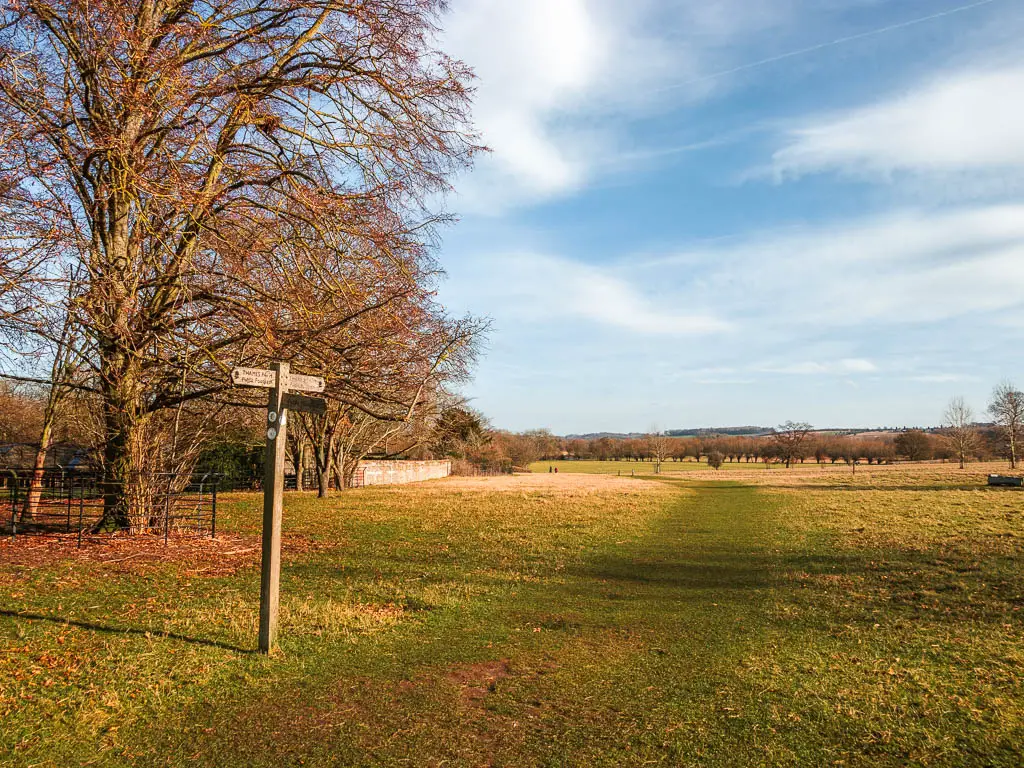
[(819, 299), (832, 367), (966, 121), (905, 268), (943, 378), (599, 296), (559, 81), (537, 288)]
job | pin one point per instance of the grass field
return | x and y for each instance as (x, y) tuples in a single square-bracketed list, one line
[(805, 619), (630, 468), (759, 472)]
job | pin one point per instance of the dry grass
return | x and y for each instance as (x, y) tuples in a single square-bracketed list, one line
[(810, 618), (561, 483), (841, 475), (343, 619), (981, 521)]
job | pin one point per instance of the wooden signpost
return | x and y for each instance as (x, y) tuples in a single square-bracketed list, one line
[(279, 380)]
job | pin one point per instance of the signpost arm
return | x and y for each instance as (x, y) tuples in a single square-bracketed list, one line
[(273, 486)]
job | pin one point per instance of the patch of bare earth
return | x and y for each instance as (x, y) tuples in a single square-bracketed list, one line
[(475, 681), (565, 482)]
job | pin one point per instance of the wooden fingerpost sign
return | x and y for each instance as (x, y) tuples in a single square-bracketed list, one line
[(279, 381)]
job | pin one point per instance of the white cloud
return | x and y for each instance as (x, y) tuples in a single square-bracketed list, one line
[(783, 296), (558, 80), (964, 122), (542, 289), (943, 378), (598, 296), (847, 366), (908, 268), (531, 57)]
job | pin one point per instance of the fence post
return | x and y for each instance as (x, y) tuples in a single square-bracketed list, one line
[(167, 512), (71, 493), (14, 506), (213, 514), (81, 509), (199, 506)]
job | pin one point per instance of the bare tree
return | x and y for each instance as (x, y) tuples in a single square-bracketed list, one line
[(960, 430), (658, 445), (61, 374), (22, 412), (385, 377), (183, 154), (1007, 409), (789, 439), (61, 345)]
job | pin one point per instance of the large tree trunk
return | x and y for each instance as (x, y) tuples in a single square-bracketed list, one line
[(124, 428)]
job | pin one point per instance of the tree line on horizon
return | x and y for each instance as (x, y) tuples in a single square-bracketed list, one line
[(960, 439), (462, 434)]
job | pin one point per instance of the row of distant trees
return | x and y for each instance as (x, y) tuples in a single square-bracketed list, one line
[(783, 447), (455, 431), (960, 439)]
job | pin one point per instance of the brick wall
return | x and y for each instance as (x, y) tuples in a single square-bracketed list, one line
[(400, 472)]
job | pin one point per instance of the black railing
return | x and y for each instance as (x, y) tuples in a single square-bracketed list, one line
[(85, 504)]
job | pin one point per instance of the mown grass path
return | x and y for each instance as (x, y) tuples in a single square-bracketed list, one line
[(624, 654), (715, 624)]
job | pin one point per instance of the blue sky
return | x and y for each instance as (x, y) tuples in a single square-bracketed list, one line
[(680, 224)]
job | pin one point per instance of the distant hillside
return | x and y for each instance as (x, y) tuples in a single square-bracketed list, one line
[(752, 431), (747, 431), (701, 432)]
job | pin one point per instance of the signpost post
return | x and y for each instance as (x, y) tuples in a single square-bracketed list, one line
[(279, 380)]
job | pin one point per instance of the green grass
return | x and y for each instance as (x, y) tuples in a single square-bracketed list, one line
[(637, 468), (697, 624)]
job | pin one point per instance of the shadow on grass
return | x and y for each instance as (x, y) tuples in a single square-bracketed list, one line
[(715, 572), (715, 546), (125, 630), (709, 543)]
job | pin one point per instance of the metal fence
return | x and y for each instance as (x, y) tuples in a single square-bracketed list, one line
[(74, 503), (309, 480)]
